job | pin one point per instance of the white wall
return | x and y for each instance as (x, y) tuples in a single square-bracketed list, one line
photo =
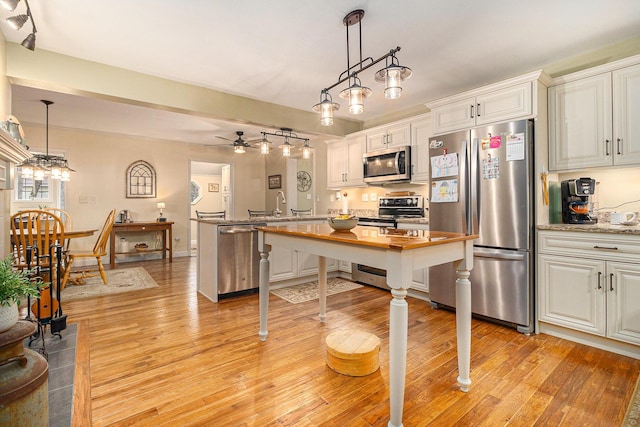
[(101, 161)]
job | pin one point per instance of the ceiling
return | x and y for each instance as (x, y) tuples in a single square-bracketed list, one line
[(286, 51)]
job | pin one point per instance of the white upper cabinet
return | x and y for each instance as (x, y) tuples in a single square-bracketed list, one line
[(507, 100), (392, 135), (344, 163), (420, 133), (591, 117)]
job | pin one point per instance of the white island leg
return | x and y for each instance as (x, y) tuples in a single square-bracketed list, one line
[(463, 327), (322, 287), (398, 330), (264, 292)]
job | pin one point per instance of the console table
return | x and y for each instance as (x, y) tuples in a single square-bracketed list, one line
[(136, 227)]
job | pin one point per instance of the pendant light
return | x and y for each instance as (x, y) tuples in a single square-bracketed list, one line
[(393, 74), (39, 166)]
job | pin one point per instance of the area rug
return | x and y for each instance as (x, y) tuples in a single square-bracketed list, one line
[(309, 291), (118, 281), (632, 418)]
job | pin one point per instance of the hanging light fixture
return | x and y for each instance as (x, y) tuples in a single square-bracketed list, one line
[(306, 150), (326, 107), (392, 75), (16, 22), (286, 146), (40, 166)]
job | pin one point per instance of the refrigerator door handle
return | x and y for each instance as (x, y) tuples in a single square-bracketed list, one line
[(474, 188), (488, 253)]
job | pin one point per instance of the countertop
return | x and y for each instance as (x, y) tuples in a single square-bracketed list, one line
[(371, 236), (270, 219), (604, 227)]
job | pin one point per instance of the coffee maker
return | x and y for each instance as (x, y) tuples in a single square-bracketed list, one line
[(575, 195)]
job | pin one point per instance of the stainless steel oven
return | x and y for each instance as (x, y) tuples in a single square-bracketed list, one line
[(389, 210)]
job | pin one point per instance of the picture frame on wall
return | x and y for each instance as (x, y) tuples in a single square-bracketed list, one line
[(275, 181), (214, 187)]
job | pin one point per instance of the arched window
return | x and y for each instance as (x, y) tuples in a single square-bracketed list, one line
[(141, 180)]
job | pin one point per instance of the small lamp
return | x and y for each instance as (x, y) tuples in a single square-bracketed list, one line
[(161, 206)]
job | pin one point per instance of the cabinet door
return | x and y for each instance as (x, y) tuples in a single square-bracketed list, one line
[(420, 133), (580, 124), (421, 280), (354, 165), (505, 104), (336, 165), (399, 135), (454, 116), (623, 302), (308, 264), (376, 140), (626, 111), (283, 264), (571, 293)]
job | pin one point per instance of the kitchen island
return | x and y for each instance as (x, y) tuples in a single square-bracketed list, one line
[(208, 242), (399, 253)]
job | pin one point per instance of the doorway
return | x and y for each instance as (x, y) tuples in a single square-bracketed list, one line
[(211, 191)]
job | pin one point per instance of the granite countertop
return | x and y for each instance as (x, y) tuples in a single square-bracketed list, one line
[(261, 219), (603, 227)]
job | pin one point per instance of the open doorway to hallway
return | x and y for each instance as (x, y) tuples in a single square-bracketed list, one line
[(210, 192)]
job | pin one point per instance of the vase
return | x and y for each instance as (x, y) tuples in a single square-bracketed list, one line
[(9, 316)]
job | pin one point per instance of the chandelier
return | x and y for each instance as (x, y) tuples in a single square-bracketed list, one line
[(16, 22), (286, 146), (392, 75), (40, 166)]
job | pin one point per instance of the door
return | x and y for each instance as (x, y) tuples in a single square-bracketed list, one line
[(448, 156), (499, 285), (501, 174), (626, 110), (623, 294)]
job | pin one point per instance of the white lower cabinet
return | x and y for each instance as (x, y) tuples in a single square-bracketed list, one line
[(585, 283), (288, 264)]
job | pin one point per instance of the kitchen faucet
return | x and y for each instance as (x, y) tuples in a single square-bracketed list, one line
[(278, 212)]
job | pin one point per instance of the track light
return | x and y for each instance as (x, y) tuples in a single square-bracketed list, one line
[(16, 22), (392, 75), (30, 41), (10, 4)]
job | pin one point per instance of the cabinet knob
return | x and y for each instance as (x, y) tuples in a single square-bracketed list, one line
[(599, 280), (477, 110), (144, 228), (471, 116), (606, 145)]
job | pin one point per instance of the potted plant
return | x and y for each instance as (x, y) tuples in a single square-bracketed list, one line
[(14, 285)]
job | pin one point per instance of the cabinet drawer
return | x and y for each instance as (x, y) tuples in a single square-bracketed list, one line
[(599, 245)]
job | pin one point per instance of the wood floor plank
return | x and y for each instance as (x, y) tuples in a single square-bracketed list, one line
[(168, 356)]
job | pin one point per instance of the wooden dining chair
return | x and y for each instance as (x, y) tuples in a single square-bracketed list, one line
[(99, 250), (206, 215), (67, 220), (39, 229), (259, 213)]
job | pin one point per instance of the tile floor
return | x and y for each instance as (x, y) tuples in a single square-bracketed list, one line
[(62, 356)]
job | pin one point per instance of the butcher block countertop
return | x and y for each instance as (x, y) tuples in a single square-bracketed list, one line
[(604, 227), (371, 236)]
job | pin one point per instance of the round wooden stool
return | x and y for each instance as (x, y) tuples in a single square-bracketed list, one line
[(353, 352)]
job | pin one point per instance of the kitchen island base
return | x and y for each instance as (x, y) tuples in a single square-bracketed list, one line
[(399, 255)]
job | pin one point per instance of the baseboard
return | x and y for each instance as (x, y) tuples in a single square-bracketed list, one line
[(602, 343)]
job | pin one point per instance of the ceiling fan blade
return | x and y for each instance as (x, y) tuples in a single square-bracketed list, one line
[(226, 139)]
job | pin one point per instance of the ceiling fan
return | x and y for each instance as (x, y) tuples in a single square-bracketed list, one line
[(239, 144)]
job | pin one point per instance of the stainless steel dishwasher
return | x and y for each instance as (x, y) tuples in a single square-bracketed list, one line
[(238, 258)]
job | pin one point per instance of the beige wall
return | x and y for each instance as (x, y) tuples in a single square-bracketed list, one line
[(101, 161), (5, 109)]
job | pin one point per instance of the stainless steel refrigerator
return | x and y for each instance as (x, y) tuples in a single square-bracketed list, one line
[(482, 182)]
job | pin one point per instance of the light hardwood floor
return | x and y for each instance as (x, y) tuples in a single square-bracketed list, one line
[(169, 357)]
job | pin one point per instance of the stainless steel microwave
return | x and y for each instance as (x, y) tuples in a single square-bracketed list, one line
[(388, 165)]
